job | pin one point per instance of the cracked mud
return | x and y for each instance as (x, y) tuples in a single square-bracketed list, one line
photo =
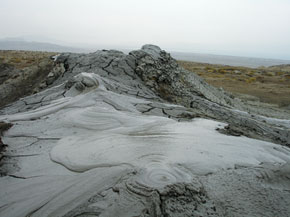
[(137, 135)]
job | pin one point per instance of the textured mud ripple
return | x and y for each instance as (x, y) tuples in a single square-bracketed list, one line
[(93, 118), (158, 174), (105, 118), (159, 148)]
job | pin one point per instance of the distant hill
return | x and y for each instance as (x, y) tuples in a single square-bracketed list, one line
[(37, 46), (228, 60)]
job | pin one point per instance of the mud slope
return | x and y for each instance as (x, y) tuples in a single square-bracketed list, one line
[(137, 135)]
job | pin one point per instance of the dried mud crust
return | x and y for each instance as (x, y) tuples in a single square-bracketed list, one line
[(161, 73), (242, 191), (251, 191), (186, 200), (92, 119), (127, 198)]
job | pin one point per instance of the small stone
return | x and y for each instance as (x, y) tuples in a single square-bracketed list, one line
[(50, 75)]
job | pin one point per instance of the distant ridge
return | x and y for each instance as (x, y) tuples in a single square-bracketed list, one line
[(38, 46), (228, 60)]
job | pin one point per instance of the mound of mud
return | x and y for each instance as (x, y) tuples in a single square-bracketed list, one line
[(137, 135)]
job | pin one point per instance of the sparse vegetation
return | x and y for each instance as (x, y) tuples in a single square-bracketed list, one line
[(21, 73), (269, 84), (22, 59), (251, 80)]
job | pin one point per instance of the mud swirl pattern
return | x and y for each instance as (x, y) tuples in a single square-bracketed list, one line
[(159, 174)]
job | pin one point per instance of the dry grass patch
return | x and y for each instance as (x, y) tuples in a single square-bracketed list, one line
[(269, 84)]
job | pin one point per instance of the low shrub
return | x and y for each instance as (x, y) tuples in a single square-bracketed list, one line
[(251, 80)]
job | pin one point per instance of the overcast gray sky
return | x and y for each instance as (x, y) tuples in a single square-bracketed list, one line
[(258, 28)]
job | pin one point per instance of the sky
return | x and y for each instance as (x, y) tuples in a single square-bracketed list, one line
[(257, 28)]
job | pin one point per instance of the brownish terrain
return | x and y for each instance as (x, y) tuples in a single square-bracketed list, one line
[(22, 59), (268, 85), (21, 73)]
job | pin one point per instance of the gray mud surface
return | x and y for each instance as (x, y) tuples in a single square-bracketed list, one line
[(112, 134)]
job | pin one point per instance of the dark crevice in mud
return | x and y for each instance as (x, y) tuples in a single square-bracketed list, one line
[(148, 110), (85, 65), (73, 67), (22, 177), (40, 139), (5, 205), (113, 105), (34, 211), (63, 59), (108, 65), (230, 130), (86, 213), (109, 73), (3, 127), (63, 94), (132, 67), (21, 155), (35, 137), (181, 115), (66, 66), (125, 72), (163, 111)]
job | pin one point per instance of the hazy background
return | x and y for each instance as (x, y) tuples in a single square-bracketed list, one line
[(257, 28)]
